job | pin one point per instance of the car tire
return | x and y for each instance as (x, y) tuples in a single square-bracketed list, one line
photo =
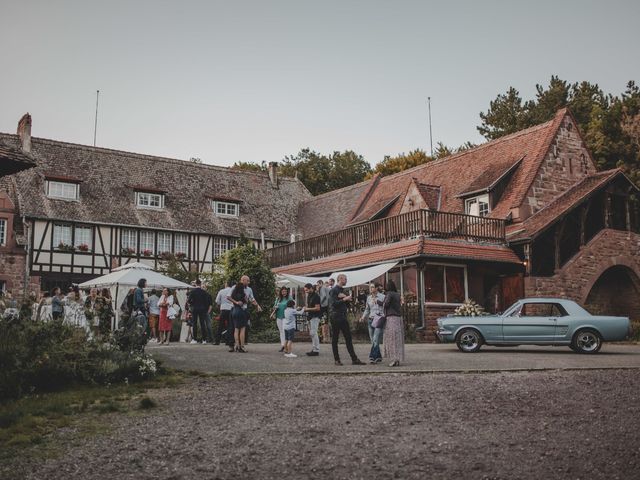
[(469, 340), (587, 341)]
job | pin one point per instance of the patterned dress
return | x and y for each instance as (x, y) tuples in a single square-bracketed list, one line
[(393, 329)]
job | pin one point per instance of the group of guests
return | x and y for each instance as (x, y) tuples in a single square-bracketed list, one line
[(383, 314)]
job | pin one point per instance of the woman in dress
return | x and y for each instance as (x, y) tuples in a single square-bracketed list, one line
[(105, 312), (91, 311), (165, 302), (239, 316), (278, 311), (394, 326), (373, 311)]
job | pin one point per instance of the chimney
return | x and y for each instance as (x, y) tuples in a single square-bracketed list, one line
[(24, 132), (273, 173)]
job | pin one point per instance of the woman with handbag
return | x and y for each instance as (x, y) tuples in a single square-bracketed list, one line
[(279, 307), (394, 326), (165, 303), (374, 316)]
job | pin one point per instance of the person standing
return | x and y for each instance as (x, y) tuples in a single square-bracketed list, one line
[(241, 296), (139, 309), (289, 325), (201, 306), (313, 309), (91, 311), (373, 310), (224, 324), (154, 315), (394, 326), (338, 314), (278, 311), (57, 305), (105, 311), (165, 302)]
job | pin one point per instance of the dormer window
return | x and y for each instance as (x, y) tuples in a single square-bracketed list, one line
[(225, 209), (477, 206), (62, 190), (150, 200)]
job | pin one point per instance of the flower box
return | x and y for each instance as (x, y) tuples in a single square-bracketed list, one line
[(181, 255), (65, 247), (83, 247), (147, 253), (127, 252)]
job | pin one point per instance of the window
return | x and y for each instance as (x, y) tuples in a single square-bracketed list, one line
[(82, 238), (222, 245), (63, 190), (164, 242), (147, 243), (61, 235), (477, 206), (182, 243), (233, 243), (541, 310), (445, 283), (129, 240), (227, 209), (3, 232), (149, 200)]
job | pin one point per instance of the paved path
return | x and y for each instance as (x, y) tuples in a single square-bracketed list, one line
[(264, 358)]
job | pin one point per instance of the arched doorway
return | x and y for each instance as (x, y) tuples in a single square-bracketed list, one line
[(616, 292)]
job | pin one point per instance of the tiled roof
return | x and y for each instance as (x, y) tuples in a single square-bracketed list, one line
[(430, 194), (13, 160), (109, 178), (455, 174), (405, 249), (537, 223), (489, 178)]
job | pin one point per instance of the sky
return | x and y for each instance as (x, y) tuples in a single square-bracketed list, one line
[(229, 81)]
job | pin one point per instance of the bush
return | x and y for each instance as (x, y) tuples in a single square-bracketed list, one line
[(47, 356)]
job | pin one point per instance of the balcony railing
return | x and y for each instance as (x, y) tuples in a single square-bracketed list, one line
[(429, 223)]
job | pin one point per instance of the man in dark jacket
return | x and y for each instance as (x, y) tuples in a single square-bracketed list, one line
[(201, 304), (338, 301)]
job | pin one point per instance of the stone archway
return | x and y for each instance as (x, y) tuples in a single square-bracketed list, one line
[(615, 292)]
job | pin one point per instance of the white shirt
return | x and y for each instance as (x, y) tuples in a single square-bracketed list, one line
[(289, 318), (221, 299)]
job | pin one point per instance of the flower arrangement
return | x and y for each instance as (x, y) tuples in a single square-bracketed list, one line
[(147, 253), (148, 366), (65, 247), (469, 309), (181, 255), (83, 247), (164, 255), (128, 251)]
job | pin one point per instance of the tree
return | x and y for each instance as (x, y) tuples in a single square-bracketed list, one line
[(400, 162), (251, 166), (245, 259), (171, 266), (607, 122)]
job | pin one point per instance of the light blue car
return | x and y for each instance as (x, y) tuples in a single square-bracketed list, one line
[(535, 321)]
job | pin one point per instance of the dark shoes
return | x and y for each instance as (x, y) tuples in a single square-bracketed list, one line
[(357, 362), (313, 354), (281, 350), (338, 363)]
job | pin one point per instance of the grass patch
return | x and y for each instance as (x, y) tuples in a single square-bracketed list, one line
[(32, 419)]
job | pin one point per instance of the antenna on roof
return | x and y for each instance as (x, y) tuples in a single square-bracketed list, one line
[(430, 133), (95, 125)]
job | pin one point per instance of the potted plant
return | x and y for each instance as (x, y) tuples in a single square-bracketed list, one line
[(83, 247), (181, 255), (65, 247), (147, 253), (127, 251)]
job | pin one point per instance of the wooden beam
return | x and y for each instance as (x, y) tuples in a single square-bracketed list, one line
[(557, 238)]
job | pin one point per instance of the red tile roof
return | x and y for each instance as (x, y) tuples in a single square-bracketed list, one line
[(406, 249), (541, 220), (454, 175)]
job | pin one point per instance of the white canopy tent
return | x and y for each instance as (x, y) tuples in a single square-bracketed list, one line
[(121, 279), (354, 277)]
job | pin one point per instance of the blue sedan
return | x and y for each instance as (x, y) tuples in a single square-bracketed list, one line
[(535, 321)]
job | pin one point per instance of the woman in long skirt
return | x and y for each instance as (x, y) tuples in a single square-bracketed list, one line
[(394, 327), (166, 323)]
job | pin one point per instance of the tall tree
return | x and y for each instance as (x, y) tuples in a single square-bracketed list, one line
[(506, 114), (401, 162)]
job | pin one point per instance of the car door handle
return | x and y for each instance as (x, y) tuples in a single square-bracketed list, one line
[(553, 319)]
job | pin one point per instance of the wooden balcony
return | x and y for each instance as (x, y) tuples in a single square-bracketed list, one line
[(428, 223)]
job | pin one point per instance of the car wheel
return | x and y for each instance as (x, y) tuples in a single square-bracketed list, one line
[(586, 341), (469, 340)]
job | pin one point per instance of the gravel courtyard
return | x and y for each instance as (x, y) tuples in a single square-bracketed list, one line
[(542, 424)]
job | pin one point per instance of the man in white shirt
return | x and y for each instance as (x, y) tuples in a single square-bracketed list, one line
[(224, 324)]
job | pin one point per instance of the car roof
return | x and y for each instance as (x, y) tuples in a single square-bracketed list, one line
[(569, 305)]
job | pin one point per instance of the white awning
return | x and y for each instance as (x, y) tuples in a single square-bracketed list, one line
[(354, 277)]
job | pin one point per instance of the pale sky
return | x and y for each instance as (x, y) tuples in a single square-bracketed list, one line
[(258, 80)]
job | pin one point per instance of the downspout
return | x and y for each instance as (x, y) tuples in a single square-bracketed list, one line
[(28, 259)]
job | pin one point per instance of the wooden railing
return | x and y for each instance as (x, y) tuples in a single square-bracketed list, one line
[(429, 223)]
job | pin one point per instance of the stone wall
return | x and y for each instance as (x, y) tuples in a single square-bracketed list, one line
[(566, 163), (577, 277)]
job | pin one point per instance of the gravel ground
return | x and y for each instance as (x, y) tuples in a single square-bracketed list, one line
[(534, 425)]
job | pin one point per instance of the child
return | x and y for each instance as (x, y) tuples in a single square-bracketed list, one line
[(289, 327)]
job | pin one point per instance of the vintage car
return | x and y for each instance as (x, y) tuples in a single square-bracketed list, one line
[(535, 321)]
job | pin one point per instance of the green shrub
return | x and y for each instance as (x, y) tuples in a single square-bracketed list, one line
[(48, 356)]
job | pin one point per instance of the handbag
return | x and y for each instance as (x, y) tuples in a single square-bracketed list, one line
[(378, 321)]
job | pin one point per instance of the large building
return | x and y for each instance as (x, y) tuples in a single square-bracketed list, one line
[(524, 215), (81, 211)]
